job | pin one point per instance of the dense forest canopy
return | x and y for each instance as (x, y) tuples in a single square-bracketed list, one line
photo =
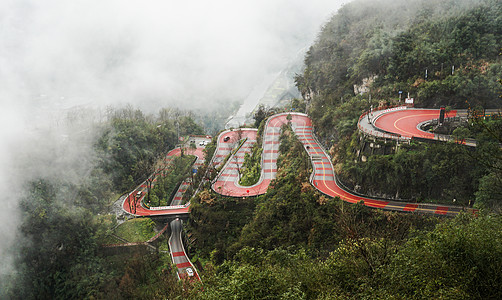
[(396, 43)]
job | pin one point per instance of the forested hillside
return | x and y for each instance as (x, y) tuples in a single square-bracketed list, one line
[(443, 53)]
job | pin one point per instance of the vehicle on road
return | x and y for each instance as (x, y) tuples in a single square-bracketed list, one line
[(189, 272), (226, 139)]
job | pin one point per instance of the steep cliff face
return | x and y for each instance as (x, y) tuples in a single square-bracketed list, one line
[(276, 90)]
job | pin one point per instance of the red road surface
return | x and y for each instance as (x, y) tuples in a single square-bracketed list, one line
[(402, 122), (405, 122), (227, 182), (134, 206)]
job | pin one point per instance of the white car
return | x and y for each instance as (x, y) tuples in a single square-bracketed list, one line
[(189, 271)]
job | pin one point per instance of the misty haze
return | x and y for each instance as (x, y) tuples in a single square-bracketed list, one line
[(250, 149)]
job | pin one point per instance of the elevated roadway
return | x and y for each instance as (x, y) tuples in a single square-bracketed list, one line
[(232, 145), (404, 124), (134, 205), (323, 177)]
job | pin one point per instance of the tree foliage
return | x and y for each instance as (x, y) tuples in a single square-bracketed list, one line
[(132, 142), (460, 258), (178, 169), (457, 43), (426, 172)]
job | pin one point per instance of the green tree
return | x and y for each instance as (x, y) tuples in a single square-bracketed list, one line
[(260, 115), (459, 259)]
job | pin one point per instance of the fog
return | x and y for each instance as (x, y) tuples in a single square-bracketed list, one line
[(61, 56), (162, 53)]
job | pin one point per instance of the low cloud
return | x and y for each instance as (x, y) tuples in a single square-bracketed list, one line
[(156, 53)]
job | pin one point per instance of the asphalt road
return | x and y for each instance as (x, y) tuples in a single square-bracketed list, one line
[(178, 254), (324, 177), (133, 204), (236, 143)]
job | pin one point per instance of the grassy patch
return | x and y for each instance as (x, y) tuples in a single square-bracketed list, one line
[(136, 230)]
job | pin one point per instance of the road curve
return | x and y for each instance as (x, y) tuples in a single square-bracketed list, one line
[(323, 177), (405, 122), (227, 181), (134, 205)]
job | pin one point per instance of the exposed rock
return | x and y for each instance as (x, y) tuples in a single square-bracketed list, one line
[(365, 86)]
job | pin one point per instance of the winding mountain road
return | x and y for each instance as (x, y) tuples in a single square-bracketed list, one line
[(134, 205), (399, 122), (232, 145), (405, 122)]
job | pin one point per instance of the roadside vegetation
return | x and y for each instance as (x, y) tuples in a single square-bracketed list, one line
[(136, 230), (169, 179), (457, 259), (251, 167)]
